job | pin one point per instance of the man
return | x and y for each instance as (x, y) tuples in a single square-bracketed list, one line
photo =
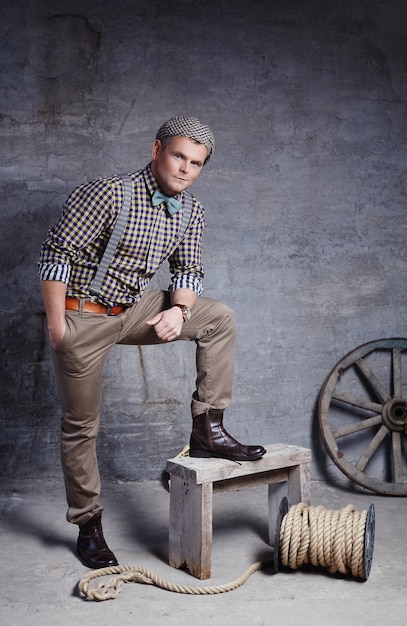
[(82, 328)]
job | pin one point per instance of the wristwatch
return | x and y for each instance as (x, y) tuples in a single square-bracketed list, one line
[(186, 311)]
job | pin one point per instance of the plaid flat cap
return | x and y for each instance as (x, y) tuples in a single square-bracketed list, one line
[(192, 127)]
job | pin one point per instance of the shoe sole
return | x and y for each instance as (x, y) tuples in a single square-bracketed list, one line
[(197, 454)]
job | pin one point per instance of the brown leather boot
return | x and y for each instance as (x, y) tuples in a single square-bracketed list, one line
[(209, 438), (91, 546)]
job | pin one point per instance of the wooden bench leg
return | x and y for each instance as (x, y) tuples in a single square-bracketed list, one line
[(277, 491), (296, 488), (190, 535), (299, 489)]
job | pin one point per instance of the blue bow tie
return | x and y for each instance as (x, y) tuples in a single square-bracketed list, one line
[(173, 205)]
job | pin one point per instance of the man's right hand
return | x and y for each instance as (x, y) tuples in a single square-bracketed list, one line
[(56, 334), (53, 295)]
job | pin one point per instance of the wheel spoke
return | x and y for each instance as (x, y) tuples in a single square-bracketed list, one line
[(397, 378), (349, 399), (354, 428), (372, 448), (397, 458), (378, 387)]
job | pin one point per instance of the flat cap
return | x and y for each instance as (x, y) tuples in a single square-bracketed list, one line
[(192, 127)]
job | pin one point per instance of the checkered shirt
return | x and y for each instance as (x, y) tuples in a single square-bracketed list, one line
[(74, 247)]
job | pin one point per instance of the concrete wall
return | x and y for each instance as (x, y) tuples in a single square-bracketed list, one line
[(305, 197)]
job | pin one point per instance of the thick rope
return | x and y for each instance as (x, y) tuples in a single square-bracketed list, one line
[(331, 539), (111, 588)]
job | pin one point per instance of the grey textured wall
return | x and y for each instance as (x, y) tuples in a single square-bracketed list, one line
[(305, 197)]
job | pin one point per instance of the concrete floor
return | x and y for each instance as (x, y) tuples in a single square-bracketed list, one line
[(39, 572)]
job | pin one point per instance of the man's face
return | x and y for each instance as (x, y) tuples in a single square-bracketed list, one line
[(177, 164)]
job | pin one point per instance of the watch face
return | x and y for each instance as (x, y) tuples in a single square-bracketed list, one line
[(186, 313)]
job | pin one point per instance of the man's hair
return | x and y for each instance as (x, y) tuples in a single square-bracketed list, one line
[(191, 127)]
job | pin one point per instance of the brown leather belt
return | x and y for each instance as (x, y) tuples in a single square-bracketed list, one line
[(74, 304)]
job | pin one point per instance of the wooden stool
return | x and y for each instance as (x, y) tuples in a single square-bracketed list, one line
[(285, 469)]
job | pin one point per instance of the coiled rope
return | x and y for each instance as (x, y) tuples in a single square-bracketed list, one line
[(331, 539), (111, 588)]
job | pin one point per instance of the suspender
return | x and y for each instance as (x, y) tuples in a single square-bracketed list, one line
[(186, 215), (117, 232), (119, 227)]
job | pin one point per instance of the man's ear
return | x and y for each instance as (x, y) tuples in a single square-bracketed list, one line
[(156, 149)]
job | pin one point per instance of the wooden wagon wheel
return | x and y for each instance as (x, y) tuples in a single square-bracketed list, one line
[(363, 416)]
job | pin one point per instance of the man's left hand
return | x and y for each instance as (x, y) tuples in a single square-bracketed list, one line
[(167, 324)]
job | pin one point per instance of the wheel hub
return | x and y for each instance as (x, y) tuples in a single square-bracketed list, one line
[(395, 415)]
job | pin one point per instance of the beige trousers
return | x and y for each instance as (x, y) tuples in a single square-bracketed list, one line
[(79, 360)]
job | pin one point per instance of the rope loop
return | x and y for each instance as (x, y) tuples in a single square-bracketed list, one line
[(110, 589)]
